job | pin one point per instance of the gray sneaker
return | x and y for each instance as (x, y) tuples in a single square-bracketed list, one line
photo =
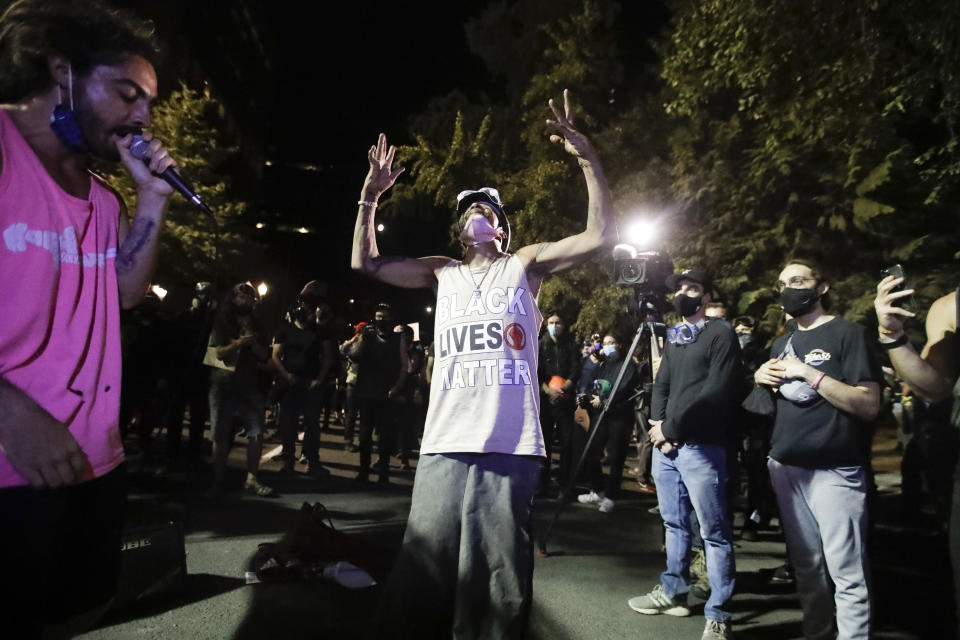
[(657, 602), (716, 630)]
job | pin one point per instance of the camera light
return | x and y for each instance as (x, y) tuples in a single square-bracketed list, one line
[(642, 233), (262, 289)]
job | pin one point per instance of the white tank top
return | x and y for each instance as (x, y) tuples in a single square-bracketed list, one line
[(484, 397)]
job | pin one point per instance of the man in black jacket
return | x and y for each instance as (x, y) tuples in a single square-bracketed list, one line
[(558, 372), (695, 400)]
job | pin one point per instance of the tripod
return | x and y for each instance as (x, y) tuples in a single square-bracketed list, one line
[(647, 308)]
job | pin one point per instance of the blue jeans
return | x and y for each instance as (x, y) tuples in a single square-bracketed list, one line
[(694, 477)]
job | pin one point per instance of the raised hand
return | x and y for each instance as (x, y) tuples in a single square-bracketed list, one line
[(574, 142), (889, 317), (381, 175)]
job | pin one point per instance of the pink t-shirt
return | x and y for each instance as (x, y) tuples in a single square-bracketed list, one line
[(60, 318)]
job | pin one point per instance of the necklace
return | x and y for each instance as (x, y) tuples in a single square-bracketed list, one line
[(477, 285)]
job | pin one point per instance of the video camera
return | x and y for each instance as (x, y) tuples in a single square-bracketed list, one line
[(646, 271)]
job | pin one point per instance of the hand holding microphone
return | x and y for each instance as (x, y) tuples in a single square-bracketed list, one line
[(159, 163)]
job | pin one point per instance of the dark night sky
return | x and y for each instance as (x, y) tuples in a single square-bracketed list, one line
[(318, 84)]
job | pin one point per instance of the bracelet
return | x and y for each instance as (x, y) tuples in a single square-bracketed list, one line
[(885, 332), (367, 203), (899, 342), (816, 383)]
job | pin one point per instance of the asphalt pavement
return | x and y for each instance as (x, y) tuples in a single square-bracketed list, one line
[(596, 561)]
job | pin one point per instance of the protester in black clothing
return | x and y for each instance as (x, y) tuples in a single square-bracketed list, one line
[(301, 367), (558, 372), (615, 430), (189, 386), (239, 342), (382, 356)]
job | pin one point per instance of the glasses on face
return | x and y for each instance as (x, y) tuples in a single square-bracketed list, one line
[(796, 282)]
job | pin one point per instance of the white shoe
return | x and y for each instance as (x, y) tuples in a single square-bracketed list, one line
[(594, 497), (716, 630), (607, 505)]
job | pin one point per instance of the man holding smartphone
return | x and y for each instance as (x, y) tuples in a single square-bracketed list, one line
[(932, 373)]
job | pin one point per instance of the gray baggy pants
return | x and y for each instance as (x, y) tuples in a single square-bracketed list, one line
[(824, 518), (466, 566)]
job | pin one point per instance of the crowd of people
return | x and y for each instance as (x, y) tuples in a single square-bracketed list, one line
[(482, 410)]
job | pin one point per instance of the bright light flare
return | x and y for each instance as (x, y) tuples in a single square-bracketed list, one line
[(380, 227), (642, 233), (262, 289), (159, 291)]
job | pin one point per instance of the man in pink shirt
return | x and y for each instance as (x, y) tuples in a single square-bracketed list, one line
[(77, 82)]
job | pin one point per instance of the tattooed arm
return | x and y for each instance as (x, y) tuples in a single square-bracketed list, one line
[(413, 273), (138, 241)]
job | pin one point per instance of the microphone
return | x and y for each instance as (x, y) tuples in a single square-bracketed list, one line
[(138, 149)]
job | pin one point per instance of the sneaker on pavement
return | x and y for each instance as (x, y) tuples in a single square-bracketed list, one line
[(594, 497), (607, 505), (782, 575), (646, 487), (700, 587), (657, 602), (716, 630), (254, 485)]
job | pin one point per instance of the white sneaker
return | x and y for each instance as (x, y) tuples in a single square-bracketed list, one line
[(607, 505), (716, 630), (594, 497), (657, 602)]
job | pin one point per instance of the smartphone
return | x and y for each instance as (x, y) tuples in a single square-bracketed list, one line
[(897, 272)]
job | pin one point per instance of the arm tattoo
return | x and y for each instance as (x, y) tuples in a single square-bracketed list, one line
[(139, 234)]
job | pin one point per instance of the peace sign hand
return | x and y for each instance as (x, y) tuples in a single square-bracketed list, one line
[(575, 143), (381, 175)]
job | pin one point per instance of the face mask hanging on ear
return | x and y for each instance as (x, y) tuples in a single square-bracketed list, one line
[(63, 120)]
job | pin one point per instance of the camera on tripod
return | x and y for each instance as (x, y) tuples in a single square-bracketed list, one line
[(646, 271)]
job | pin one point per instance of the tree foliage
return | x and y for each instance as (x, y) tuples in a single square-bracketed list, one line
[(761, 129), (816, 127)]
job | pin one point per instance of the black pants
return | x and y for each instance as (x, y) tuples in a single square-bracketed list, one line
[(376, 415), (296, 401), (60, 551), (558, 419), (614, 434)]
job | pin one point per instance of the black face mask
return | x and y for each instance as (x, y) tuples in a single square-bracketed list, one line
[(243, 310), (687, 306), (798, 302)]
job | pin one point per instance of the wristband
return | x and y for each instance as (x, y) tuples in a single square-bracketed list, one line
[(367, 203), (899, 342), (816, 383)]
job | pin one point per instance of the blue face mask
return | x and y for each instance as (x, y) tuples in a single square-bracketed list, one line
[(64, 123), (609, 350), (683, 334), (552, 330)]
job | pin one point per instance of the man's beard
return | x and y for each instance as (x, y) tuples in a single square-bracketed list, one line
[(99, 145)]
